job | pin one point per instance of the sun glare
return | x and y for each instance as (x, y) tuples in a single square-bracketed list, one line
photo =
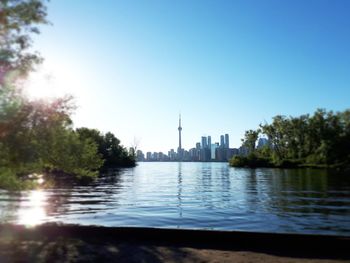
[(52, 80), (32, 209)]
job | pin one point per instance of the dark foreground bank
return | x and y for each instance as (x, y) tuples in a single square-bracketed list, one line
[(69, 243)]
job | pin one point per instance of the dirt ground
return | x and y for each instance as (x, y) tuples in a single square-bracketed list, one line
[(74, 243), (63, 249)]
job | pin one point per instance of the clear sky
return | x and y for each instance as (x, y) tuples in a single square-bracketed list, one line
[(225, 65)]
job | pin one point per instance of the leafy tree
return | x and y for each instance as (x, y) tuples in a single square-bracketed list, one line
[(250, 138), (67, 152), (35, 136), (18, 21), (322, 139), (114, 154), (40, 138)]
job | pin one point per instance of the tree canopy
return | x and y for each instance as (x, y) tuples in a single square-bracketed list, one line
[(322, 139), (113, 154), (19, 20)]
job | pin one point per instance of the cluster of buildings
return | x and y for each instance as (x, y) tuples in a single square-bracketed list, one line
[(204, 151)]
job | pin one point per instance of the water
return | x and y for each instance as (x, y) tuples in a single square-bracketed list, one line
[(197, 196)]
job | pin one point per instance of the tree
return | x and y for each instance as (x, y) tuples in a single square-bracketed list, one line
[(39, 137), (35, 135), (322, 139), (66, 152), (113, 154), (19, 20), (250, 138)]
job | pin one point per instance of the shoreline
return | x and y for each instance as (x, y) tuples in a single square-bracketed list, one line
[(160, 245)]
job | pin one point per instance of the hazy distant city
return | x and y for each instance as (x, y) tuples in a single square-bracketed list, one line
[(204, 151)]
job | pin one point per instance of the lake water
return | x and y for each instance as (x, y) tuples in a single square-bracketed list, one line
[(196, 196)]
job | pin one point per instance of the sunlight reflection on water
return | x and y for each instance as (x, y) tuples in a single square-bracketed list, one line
[(32, 208)]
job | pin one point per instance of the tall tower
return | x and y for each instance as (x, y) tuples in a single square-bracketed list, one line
[(179, 150), (222, 141), (204, 142), (227, 142), (209, 142)]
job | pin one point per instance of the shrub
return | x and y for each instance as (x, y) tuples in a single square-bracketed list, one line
[(251, 161)]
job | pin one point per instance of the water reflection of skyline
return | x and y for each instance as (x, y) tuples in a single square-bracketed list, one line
[(194, 195), (179, 186)]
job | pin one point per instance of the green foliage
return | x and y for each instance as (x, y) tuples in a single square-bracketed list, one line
[(250, 138), (35, 136), (9, 180), (114, 154), (251, 161), (38, 137), (18, 21), (322, 139), (66, 152)]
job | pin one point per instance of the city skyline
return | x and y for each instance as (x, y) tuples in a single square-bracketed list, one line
[(227, 66), (204, 150)]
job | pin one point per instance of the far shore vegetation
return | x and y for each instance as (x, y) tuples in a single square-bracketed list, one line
[(37, 137), (321, 141)]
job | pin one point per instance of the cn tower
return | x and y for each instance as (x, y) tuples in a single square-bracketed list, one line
[(179, 150)]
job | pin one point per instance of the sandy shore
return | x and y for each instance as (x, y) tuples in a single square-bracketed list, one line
[(43, 245)]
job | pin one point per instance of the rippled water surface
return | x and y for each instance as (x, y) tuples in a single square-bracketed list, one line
[(194, 195)]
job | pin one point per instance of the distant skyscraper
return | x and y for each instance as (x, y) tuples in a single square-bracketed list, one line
[(222, 141), (149, 156), (179, 150), (204, 142), (140, 157), (172, 155), (262, 142), (209, 142), (227, 142), (213, 150)]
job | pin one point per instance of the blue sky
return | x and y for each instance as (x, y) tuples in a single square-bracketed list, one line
[(225, 65)]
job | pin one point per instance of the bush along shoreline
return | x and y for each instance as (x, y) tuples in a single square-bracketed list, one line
[(318, 141), (66, 156)]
